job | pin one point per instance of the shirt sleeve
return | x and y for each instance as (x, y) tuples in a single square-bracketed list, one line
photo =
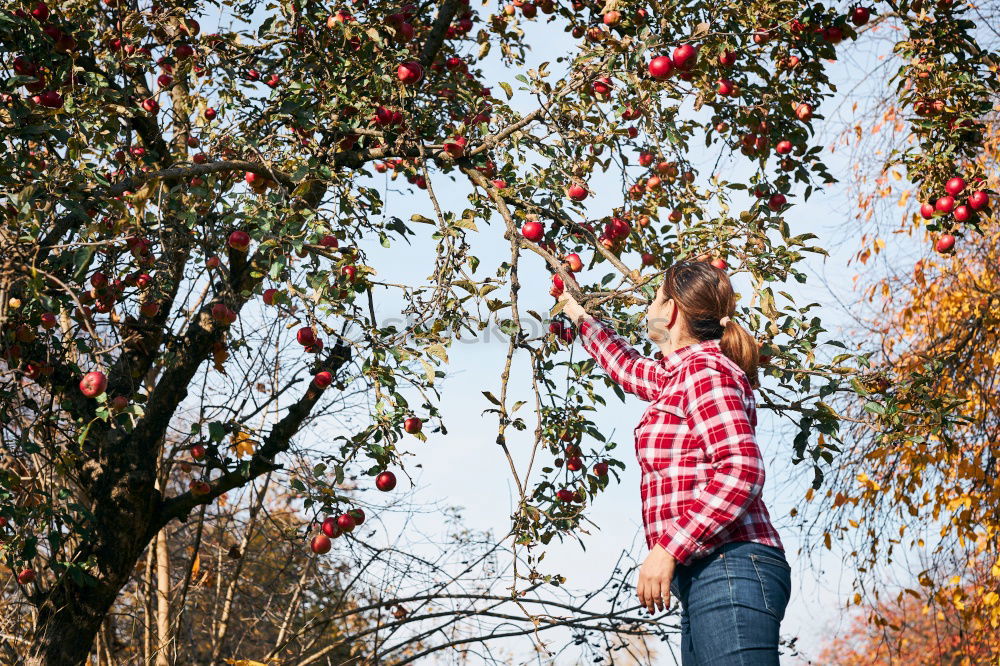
[(632, 371), (720, 420)]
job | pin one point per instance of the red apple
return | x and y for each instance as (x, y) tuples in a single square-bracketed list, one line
[(93, 384), (321, 544), (26, 577), (833, 34), (719, 263), (574, 464), (322, 379), (577, 192), (210, 113), (199, 488), (329, 241), (149, 308), (601, 469), (533, 231), (860, 16), (48, 320), (954, 186), (575, 263), (927, 211), (198, 451), (945, 204), (557, 286), (345, 521), (978, 200), (183, 51), (776, 202), (413, 425), (648, 259), (358, 515), (602, 87), (385, 481), (727, 58), (945, 243), (962, 213), (331, 528), (631, 113), (350, 272), (612, 18), (456, 147), (40, 12), (660, 67), (220, 313), (565, 495), (50, 99), (784, 147), (239, 240), (684, 56), (306, 336), (803, 112), (410, 72), (725, 87)]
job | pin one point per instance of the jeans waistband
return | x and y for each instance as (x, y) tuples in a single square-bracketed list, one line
[(731, 545)]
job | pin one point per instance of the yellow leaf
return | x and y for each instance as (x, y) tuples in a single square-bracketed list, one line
[(241, 444)]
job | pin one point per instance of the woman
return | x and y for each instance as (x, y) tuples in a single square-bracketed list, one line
[(710, 537)]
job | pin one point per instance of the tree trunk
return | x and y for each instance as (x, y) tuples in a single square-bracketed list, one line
[(162, 600), (70, 613), (68, 622)]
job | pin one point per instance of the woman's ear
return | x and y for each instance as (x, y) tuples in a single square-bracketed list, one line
[(672, 308)]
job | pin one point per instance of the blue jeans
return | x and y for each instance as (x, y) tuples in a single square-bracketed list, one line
[(732, 603)]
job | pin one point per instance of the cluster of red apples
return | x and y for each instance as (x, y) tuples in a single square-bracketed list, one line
[(334, 526), (573, 462), (951, 204)]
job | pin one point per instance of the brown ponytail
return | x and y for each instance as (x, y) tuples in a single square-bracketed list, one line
[(705, 295)]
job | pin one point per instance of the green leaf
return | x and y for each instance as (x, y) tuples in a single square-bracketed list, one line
[(216, 431)]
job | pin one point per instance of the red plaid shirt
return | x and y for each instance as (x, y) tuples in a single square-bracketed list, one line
[(702, 472)]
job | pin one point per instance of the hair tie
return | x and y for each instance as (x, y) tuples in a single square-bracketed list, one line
[(724, 321)]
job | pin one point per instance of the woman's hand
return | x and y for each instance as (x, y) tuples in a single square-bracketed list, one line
[(572, 308), (655, 576)]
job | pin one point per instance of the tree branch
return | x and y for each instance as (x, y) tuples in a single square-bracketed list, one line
[(262, 461)]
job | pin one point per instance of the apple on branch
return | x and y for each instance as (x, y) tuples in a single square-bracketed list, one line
[(385, 481)]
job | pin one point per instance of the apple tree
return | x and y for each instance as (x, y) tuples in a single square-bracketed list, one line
[(187, 218)]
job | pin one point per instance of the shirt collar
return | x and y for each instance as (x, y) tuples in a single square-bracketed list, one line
[(672, 361)]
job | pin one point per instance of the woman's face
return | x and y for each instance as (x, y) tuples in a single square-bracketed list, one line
[(658, 315)]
